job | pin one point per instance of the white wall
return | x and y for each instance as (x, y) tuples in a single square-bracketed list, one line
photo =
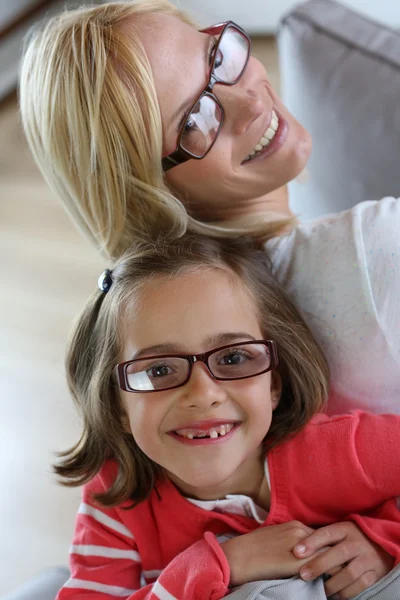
[(257, 16), (11, 44), (262, 16), (10, 9)]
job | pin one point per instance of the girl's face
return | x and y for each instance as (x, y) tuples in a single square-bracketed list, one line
[(193, 313), (222, 181)]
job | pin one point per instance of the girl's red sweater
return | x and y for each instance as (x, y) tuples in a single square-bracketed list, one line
[(337, 468)]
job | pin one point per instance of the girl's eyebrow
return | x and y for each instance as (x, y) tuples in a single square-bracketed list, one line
[(186, 104), (210, 342), (157, 349)]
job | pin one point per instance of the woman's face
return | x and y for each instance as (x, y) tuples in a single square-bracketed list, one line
[(223, 180)]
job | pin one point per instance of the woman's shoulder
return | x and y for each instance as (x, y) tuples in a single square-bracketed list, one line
[(362, 223), (349, 251), (342, 272)]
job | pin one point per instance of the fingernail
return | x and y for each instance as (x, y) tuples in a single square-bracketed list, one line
[(306, 574), (300, 549)]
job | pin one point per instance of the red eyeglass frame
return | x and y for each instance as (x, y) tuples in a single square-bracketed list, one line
[(180, 155), (120, 370)]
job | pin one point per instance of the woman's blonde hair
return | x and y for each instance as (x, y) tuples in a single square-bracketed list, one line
[(98, 338), (92, 120)]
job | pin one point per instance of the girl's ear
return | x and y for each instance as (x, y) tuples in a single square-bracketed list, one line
[(276, 388), (125, 422)]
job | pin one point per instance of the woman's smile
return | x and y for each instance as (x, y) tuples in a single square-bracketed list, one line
[(271, 139)]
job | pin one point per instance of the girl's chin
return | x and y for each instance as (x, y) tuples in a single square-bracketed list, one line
[(196, 485)]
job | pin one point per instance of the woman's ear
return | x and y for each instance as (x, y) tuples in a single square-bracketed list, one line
[(276, 388)]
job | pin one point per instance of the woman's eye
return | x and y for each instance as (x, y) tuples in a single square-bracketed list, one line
[(190, 125), (218, 59)]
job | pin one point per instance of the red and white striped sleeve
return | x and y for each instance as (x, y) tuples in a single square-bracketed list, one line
[(105, 563)]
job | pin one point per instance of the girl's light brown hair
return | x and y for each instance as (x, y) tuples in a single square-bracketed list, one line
[(92, 120), (98, 338)]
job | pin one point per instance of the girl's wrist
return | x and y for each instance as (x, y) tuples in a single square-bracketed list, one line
[(230, 550)]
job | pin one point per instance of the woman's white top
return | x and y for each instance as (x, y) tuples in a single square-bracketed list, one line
[(343, 273)]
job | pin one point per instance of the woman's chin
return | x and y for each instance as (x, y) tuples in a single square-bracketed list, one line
[(300, 156)]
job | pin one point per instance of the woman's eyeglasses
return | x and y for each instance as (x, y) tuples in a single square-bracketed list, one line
[(204, 121), (166, 372)]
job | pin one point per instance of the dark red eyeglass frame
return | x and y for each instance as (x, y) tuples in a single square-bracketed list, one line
[(122, 380), (180, 155)]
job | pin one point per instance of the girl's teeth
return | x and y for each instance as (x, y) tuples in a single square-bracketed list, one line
[(212, 433)]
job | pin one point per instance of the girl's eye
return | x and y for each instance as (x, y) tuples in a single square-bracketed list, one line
[(157, 371), (233, 358)]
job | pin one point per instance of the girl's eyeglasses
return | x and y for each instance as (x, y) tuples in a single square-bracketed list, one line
[(166, 372), (204, 121)]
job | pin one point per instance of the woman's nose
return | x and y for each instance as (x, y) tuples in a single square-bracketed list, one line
[(202, 390), (242, 104)]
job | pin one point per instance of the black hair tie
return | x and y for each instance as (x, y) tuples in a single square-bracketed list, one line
[(105, 281)]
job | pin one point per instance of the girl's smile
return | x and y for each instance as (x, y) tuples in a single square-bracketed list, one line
[(214, 431), (207, 434)]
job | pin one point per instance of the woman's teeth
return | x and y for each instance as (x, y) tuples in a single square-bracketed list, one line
[(213, 432), (266, 138)]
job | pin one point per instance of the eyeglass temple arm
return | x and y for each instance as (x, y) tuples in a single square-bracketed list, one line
[(174, 159)]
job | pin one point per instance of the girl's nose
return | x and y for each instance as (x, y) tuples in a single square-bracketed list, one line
[(202, 390)]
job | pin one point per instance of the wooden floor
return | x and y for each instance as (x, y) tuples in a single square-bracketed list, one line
[(46, 271)]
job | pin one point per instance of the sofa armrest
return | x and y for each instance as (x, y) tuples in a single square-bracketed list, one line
[(43, 586), (341, 78)]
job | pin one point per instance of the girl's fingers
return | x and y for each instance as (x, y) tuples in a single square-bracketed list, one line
[(350, 591), (332, 558), (325, 536), (332, 572)]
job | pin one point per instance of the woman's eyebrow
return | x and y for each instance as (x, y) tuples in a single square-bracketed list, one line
[(187, 104)]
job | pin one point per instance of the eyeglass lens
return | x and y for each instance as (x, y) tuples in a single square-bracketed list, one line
[(155, 374), (203, 123)]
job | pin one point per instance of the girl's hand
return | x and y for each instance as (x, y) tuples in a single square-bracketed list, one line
[(353, 560), (266, 553)]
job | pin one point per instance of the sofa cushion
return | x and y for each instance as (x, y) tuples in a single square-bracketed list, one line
[(45, 586), (341, 78)]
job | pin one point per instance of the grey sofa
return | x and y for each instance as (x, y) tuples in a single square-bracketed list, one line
[(341, 78), (42, 587)]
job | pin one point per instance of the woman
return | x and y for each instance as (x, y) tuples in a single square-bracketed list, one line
[(145, 125)]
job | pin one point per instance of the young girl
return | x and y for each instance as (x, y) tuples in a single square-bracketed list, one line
[(203, 458)]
